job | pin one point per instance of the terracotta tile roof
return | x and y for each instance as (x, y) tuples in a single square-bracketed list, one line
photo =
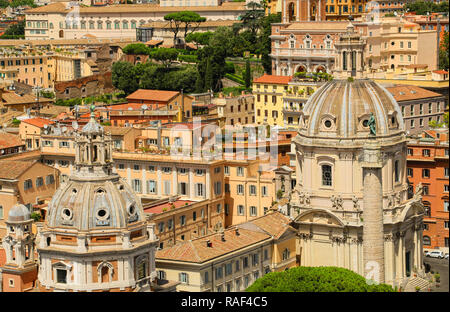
[(441, 72), (337, 26), (160, 208), (152, 95), (9, 140), (197, 250), (416, 66), (117, 130), (12, 169), (59, 7), (11, 98), (273, 224), (405, 93), (272, 79), (38, 122)]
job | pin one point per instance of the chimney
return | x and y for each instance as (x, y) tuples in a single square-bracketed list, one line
[(208, 243)]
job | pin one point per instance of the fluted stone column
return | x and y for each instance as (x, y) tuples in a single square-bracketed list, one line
[(373, 237)]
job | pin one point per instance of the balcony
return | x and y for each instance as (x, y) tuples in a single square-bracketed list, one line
[(317, 53)]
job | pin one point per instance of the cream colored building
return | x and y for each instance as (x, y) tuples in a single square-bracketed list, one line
[(351, 204), (395, 43), (63, 20), (232, 260)]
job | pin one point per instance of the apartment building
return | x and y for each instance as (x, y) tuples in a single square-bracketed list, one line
[(233, 259), (24, 182), (419, 107), (235, 109), (10, 144), (394, 43), (279, 99), (30, 131), (63, 20), (428, 166), (179, 220), (18, 102), (336, 10)]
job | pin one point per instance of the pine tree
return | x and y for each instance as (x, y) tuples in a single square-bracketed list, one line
[(248, 74)]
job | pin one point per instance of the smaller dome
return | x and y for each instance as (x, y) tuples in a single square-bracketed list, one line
[(92, 127), (19, 213)]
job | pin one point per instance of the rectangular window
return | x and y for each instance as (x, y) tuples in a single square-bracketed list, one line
[(255, 259), (61, 276), (136, 167), (266, 254), (27, 184), (166, 169), (226, 170), (237, 266), (410, 172), (245, 262), (199, 190), (425, 173), (161, 227), (167, 188), (446, 188), (446, 172), (182, 188), (240, 171), (264, 190), (137, 185), (50, 179), (206, 278), (228, 269), (39, 181), (151, 187), (252, 189), (446, 205), (240, 189), (253, 211), (182, 220), (240, 210), (218, 188), (169, 224), (219, 272), (426, 153), (184, 278)]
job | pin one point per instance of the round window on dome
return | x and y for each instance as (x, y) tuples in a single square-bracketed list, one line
[(66, 213), (131, 210), (102, 214), (328, 123), (366, 123)]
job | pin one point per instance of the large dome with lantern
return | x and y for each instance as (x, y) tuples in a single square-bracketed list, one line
[(94, 198), (341, 109)]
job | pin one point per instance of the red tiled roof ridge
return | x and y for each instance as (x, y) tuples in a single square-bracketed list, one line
[(273, 79), (38, 121)]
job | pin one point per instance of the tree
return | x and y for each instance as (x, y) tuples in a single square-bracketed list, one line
[(137, 49), (124, 77), (15, 31), (247, 74), (188, 19), (36, 216), (209, 75), (253, 17), (444, 53), (199, 83), (199, 38), (165, 55), (424, 7), (315, 279), (434, 124), (265, 41)]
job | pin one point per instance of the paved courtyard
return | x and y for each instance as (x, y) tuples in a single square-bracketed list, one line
[(440, 266)]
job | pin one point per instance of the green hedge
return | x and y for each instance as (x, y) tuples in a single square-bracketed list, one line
[(188, 58), (315, 279), (235, 78)]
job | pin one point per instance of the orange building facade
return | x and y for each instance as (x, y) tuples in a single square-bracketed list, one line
[(428, 164)]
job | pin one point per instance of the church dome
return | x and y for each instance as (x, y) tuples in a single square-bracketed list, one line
[(94, 205), (341, 109), (19, 213)]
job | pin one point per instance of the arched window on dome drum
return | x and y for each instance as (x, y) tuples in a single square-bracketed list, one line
[(104, 274), (426, 240), (327, 178), (396, 171)]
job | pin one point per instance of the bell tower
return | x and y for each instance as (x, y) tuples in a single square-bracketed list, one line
[(93, 149), (350, 59), (20, 270), (303, 10)]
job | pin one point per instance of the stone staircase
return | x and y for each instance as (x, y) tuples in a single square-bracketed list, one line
[(413, 282)]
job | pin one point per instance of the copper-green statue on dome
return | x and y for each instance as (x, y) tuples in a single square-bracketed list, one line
[(371, 123)]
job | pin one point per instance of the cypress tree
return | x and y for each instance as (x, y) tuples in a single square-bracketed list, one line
[(248, 74), (199, 83), (208, 75)]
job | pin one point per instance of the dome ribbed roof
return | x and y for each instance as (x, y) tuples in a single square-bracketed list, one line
[(94, 205), (342, 109), (19, 213)]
